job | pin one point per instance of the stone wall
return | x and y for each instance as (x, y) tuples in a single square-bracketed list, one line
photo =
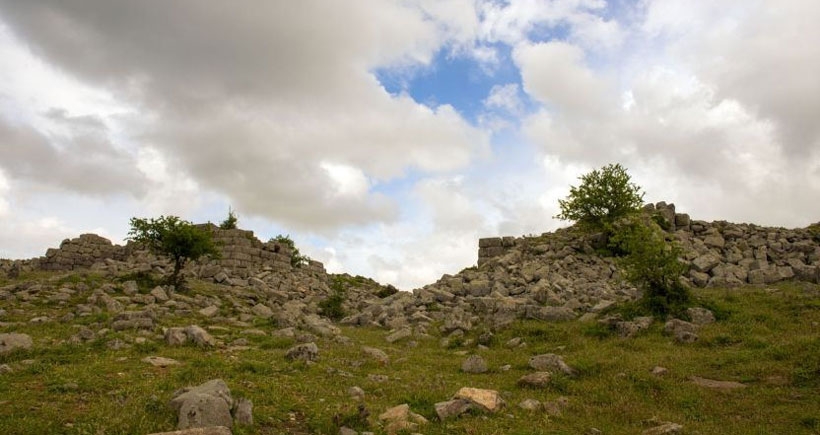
[(718, 253), (241, 253), (81, 252)]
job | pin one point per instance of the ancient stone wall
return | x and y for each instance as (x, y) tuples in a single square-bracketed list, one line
[(81, 252), (718, 253), (241, 253)]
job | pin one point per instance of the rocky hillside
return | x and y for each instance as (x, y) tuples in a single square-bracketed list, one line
[(246, 308), (551, 277), (560, 276)]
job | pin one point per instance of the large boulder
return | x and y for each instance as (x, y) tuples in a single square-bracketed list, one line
[(205, 405), (13, 341)]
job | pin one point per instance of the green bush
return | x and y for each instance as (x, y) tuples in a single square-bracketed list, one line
[(332, 306), (230, 222), (174, 238), (604, 196), (652, 264), (296, 258)]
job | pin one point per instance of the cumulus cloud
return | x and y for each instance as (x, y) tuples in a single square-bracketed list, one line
[(248, 101), (83, 160), (505, 97), (687, 127), (555, 74)]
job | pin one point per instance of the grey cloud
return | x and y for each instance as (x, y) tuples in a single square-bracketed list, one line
[(250, 98), (771, 63), (83, 161)]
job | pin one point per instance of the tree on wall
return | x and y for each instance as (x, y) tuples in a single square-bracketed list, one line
[(230, 222), (174, 238), (604, 196), (607, 201)]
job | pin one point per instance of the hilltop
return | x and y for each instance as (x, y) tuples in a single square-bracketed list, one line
[(93, 308)]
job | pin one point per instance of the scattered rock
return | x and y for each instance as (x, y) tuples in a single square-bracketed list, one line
[(262, 310), (681, 330), (400, 418), (377, 378), (206, 405), (486, 400), (399, 335), (176, 336), (717, 385), (474, 364), (556, 407), (130, 288), (513, 342), (159, 294), (212, 430), (663, 428), (659, 371), (209, 311), (243, 412), (551, 362), (303, 352), (452, 408), (700, 316), (377, 354), (356, 393), (535, 380), (158, 361), (200, 336), (530, 405), (12, 341)]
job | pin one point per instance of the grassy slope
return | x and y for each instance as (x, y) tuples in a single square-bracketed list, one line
[(770, 340)]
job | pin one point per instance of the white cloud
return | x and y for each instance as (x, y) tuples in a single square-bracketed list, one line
[(4, 190), (349, 181), (248, 104), (555, 74), (505, 97)]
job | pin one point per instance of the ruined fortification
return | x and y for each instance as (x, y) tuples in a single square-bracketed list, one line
[(554, 276)]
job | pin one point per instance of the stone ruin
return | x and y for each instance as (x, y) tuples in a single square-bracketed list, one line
[(241, 253), (717, 253), (559, 275), (552, 277)]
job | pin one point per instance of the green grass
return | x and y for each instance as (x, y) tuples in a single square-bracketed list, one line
[(769, 340)]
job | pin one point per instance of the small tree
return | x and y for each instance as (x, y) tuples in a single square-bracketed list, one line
[(296, 258), (230, 222), (604, 196), (607, 201), (174, 238), (652, 264)]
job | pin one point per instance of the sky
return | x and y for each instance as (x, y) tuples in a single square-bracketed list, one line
[(386, 137)]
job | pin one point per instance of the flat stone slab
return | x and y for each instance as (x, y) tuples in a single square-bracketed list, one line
[(488, 400), (159, 361), (717, 385), (213, 430)]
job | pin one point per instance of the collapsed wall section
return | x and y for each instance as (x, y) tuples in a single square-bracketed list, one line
[(241, 253), (718, 253)]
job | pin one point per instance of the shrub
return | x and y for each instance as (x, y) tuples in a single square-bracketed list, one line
[(651, 263), (230, 222), (174, 238), (604, 196), (296, 258), (332, 306)]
